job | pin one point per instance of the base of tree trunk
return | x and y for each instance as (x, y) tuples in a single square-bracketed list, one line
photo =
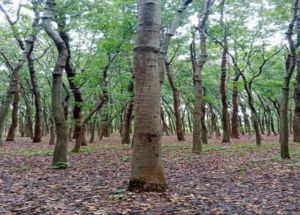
[(38, 140), (142, 186)]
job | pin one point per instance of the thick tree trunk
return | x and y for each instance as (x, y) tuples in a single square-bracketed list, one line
[(176, 102), (284, 128), (296, 122), (146, 171), (197, 113), (14, 116), (61, 146)]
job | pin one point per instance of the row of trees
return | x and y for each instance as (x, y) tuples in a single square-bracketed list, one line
[(224, 69)]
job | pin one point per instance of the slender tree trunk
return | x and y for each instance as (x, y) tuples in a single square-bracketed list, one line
[(176, 102), (254, 115), (291, 61), (165, 43), (37, 102), (146, 171), (61, 146), (203, 126), (126, 125), (235, 111), (197, 70), (225, 114), (52, 132)]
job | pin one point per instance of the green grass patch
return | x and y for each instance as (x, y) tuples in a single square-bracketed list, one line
[(294, 153), (33, 153), (90, 149), (93, 148)]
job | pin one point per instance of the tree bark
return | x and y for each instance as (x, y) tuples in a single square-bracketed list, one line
[(235, 111), (197, 70), (14, 115), (61, 146), (290, 67), (223, 91), (126, 125), (176, 102), (146, 170)]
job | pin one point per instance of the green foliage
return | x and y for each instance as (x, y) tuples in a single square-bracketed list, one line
[(33, 153)]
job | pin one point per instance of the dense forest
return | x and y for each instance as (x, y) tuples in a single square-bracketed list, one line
[(149, 107)]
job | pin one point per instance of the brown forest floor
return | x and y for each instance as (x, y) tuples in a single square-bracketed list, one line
[(230, 179)]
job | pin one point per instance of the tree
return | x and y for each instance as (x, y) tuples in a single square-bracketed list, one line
[(290, 67), (61, 146), (197, 69), (146, 170), (225, 114)]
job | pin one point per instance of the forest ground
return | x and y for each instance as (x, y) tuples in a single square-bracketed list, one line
[(236, 178)]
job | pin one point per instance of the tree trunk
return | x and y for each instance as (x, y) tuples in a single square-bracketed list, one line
[(203, 126), (126, 125), (52, 132), (235, 111), (296, 122), (197, 70), (13, 83), (146, 171), (254, 115), (176, 102), (37, 102), (26, 51), (14, 116), (61, 146), (225, 114), (166, 39)]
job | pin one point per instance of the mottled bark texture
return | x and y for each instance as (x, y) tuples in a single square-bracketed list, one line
[(14, 115), (61, 145), (225, 114), (197, 77), (146, 170)]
